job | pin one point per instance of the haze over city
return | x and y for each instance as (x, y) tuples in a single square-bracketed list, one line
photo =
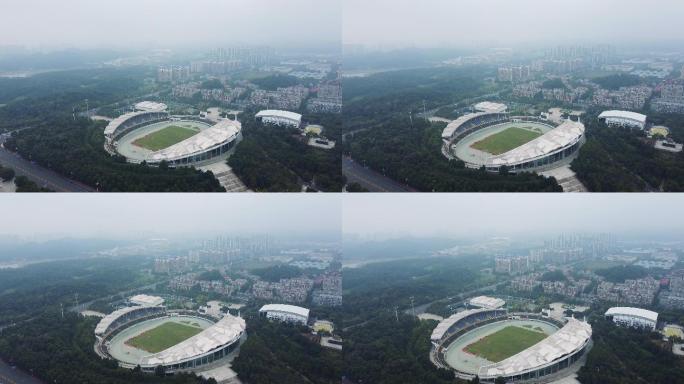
[(161, 23), (509, 214), (126, 216), (468, 23)]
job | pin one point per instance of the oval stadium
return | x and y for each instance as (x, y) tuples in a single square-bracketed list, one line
[(151, 135), (520, 143), (519, 347), (152, 337)]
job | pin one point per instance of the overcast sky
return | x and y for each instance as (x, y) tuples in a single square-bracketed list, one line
[(460, 215), (133, 23), (132, 215), (502, 22)]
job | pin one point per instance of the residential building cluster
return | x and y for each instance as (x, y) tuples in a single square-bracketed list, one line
[(328, 99), (175, 73), (633, 292), (295, 290), (226, 287), (671, 98), (289, 98), (329, 290), (673, 297), (629, 98), (514, 74)]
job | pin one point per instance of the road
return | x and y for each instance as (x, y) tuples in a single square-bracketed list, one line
[(9, 375), (369, 179), (42, 176)]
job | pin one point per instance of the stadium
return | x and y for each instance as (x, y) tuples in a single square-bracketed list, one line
[(519, 347), (151, 135), (150, 337), (520, 143)]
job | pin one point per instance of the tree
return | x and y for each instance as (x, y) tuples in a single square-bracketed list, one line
[(500, 380), (6, 174)]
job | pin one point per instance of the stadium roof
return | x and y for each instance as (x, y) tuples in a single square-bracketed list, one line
[(282, 114), (445, 324), (568, 339), (631, 311), (454, 125), (224, 332), (114, 124), (150, 106), (223, 131), (638, 117), (488, 106), (553, 140), (146, 300), (109, 319), (487, 302), (285, 308)]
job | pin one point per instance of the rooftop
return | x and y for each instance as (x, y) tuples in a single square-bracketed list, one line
[(146, 300), (109, 319), (114, 124), (224, 332), (487, 302), (624, 115), (631, 311), (223, 131), (488, 106), (553, 140), (445, 324), (454, 125), (285, 308), (565, 341), (150, 106), (279, 113)]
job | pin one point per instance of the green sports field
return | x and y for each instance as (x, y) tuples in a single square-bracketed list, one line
[(505, 343), (165, 137), (506, 140), (162, 337)]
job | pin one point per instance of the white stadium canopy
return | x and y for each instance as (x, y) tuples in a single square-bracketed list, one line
[(226, 331), (572, 337), (562, 136), (456, 124), (223, 131), (445, 324), (150, 106), (146, 300), (486, 302), (488, 106)]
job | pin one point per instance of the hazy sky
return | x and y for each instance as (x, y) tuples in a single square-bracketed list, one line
[(501, 22), (125, 215), (88, 23), (459, 215)]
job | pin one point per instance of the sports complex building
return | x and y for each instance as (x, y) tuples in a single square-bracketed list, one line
[(494, 139), (286, 313), (633, 317), (625, 119), (148, 336), (458, 343), (277, 117), (151, 135)]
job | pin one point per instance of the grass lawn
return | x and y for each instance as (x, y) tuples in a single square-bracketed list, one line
[(505, 343), (162, 337), (506, 140), (165, 138)]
